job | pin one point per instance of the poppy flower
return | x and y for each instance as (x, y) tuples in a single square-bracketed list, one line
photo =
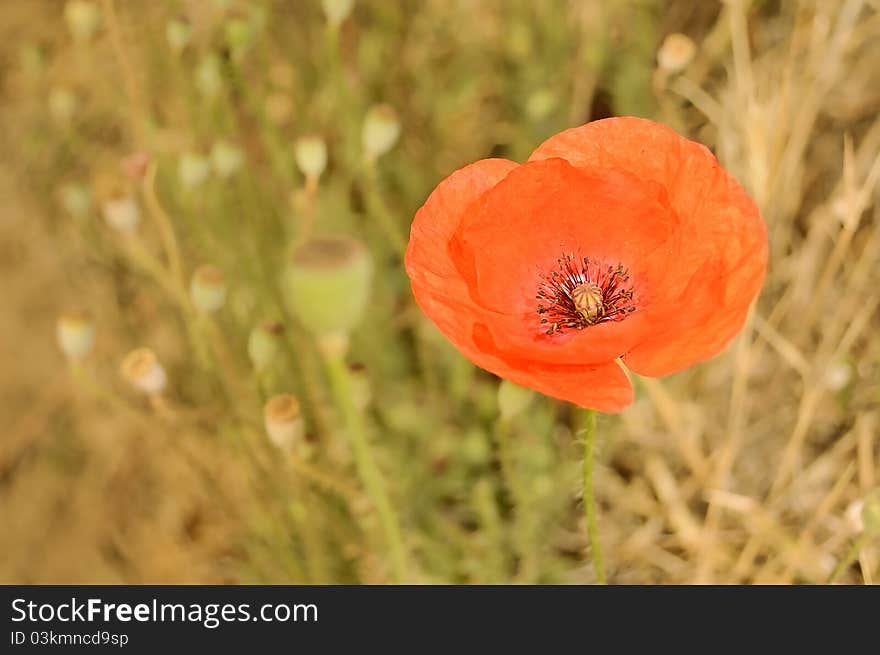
[(618, 242)]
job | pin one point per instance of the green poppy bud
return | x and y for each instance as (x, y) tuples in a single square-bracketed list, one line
[(178, 33), (264, 344), (284, 422), (76, 334), (337, 11), (83, 19), (208, 288), (76, 200), (327, 285), (62, 104), (226, 158), (193, 169), (209, 76), (380, 132), (311, 156)]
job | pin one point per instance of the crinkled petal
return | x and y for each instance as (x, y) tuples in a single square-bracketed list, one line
[(720, 265)]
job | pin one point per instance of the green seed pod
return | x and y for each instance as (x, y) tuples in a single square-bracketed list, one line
[(380, 132), (513, 399), (226, 158), (264, 344), (62, 104), (76, 334), (327, 284), (337, 11), (193, 169), (83, 19), (208, 288), (311, 156), (284, 423), (76, 200), (178, 33), (209, 76)]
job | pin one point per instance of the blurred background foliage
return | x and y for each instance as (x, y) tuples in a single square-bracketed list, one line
[(144, 140)]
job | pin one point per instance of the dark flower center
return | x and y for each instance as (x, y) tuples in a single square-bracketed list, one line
[(582, 292)]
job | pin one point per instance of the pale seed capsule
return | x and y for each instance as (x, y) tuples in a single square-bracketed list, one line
[(62, 104), (337, 11), (209, 76), (122, 213), (76, 334), (327, 285), (284, 422), (76, 200), (143, 371), (513, 399), (226, 158), (380, 131), (264, 344), (208, 288), (676, 53), (178, 33), (83, 19), (311, 156), (193, 169)]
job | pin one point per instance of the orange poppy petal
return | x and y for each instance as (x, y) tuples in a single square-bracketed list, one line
[(720, 266), (436, 283), (603, 387), (541, 211)]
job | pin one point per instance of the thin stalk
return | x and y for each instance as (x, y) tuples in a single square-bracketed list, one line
[(589, 499), (369, 472), (851, 555)]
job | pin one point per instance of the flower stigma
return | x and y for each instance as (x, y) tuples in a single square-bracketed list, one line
[(582, 292)]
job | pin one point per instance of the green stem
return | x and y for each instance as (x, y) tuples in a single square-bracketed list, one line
[(367, 469), (851, 555), (589, 499)]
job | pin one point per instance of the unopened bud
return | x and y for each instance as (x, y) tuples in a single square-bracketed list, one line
[(264, 344), (208, 288), (311, 156), (76, 334), (62, 104), (226, 158), (178, 33), (513, 399), (143, 371), (327, 285), (676, 53), (193, 169), (337, 11), (380, 132), (541, 104), (239, 35), (284, 423), (76, 200), (209, 76), (122, 213), (83, 18)]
